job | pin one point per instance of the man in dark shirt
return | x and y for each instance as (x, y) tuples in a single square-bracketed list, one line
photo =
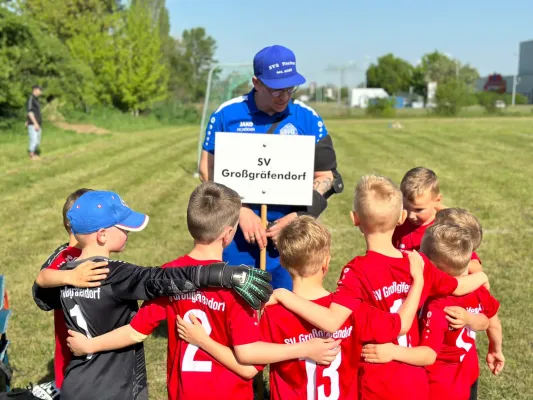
[(34, 121)]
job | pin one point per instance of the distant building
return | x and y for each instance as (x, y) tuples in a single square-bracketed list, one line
[(504, 83), (361, 97)]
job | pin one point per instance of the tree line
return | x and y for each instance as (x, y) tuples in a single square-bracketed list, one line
[(99, 53)]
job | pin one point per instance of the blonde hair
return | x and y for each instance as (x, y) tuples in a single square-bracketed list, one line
[(377, 203), (448, 246), (212, 207), (418, 181), (303, 246), (464, 219)]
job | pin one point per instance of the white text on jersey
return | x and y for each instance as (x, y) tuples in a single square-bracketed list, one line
[(318, 333), (198, 297), (400, 288)]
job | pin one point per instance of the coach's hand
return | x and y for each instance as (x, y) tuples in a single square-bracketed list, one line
[(252, 228), (278, 225), (252, 284)]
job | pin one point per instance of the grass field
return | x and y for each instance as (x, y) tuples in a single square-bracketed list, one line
[(484, 165)]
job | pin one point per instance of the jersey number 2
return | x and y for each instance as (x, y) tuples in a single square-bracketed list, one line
[(330, 372), (188, 359), (76, 313)]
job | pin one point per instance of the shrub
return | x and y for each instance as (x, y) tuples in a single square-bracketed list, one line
[(488, 101), (451, 97), (383, 108), (174, 112)]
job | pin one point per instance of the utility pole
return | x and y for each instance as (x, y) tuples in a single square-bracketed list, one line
[(340, 69), (367, 64), (515, 79)]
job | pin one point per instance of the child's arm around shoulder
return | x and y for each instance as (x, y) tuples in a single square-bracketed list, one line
[(118, 338), (383, 353), (328, 319), (346, 299), (467, 284), (195, 334), (87, 274)]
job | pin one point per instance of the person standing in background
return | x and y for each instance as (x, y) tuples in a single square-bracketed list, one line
[(34, 121)]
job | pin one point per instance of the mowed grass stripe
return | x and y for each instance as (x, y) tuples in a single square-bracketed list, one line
[(483, 165)]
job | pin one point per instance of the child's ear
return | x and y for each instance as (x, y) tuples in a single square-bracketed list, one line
[(227, 236), (438, 199), (355, 218), (403, 217), (325, 266), (101, 236)]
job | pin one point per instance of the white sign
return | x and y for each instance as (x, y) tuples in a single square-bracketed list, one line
[(266, 168)]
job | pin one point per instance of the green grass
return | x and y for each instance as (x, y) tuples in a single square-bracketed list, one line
[(484, 165)]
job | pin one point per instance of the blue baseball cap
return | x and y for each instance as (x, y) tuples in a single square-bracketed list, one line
[(275, 66), (97, 210)]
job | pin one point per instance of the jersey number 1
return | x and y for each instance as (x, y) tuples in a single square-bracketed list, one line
[(330, 372), (76, 313), (402, 339), (188, 359)]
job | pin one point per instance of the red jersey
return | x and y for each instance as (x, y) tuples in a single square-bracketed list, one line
[(457, 366), (303, 378), (62, 354), (408, 236), (191, 372), (384, 283)]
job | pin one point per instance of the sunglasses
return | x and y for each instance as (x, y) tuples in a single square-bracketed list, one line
[(278, 92)]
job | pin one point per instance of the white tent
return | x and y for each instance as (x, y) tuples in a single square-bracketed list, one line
[(361, 97)]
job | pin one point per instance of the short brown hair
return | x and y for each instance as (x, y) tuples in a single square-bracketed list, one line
[(212, 207), (303, 246), (378, 203), (418, 181), (71, 199), (464, 219), (448, 246)]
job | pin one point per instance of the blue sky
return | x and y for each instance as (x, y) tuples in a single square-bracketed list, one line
[(485, 34)]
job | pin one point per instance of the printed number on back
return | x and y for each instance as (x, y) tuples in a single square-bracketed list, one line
[(462, 344), (329, 372), (188, 359), (402, 339), (75, 312)]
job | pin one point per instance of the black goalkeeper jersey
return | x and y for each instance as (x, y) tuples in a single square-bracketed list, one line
[(119, 374)]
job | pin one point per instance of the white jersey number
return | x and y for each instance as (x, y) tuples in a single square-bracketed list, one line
[(188, 359), (402, 339), (330, 372), (465, 345), (75, 312)]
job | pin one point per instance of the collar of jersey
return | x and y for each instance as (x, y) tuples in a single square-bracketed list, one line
[(252, 107)]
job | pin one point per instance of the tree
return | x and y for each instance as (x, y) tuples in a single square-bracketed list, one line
[(27, 56), (438, 67), (390, 73), (142, 77), (191, 59), (67, 18)]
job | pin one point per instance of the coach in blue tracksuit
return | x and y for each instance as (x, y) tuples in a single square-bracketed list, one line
[(269, 108)]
